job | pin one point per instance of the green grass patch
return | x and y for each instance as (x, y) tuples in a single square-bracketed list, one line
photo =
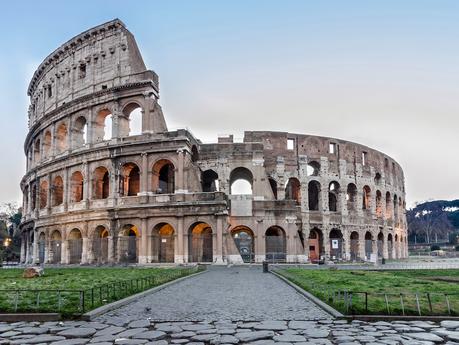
[(382, 292), (71, 291)]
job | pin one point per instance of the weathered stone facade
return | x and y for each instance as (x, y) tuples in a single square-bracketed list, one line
[(96, 193)]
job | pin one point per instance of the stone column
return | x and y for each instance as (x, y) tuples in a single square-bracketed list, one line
[(326, 241), (23, 249), (85, 253), (218, 259), (362, 252), (374, 246), (347, 244), (87, 185), (35, 258), (143, 253), (66, 189), (110, 249), (179, 173), (178, 245), (26, 247), (52, 149), (144, 176)]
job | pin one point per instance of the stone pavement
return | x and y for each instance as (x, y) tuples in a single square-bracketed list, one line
[(319, 332), (236, 293)]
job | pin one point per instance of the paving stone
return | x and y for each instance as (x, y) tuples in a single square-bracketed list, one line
[(271, 325), (75, 341), (426, 337), (255, 335), (80, 332), (446, 324), (289, 338), (130, 332), (150, 335), (139, 324), (122, 341), (42, 338)]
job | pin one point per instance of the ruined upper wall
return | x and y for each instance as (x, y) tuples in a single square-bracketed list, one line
[(99, 58)]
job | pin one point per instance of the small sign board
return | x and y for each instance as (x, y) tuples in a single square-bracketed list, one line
[(335, 244), (164, 240)]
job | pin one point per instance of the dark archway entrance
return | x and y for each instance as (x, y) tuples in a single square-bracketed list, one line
[(163, 243), (200, 243), (244, 240), (315, 244), (336, 244), (275, 242)]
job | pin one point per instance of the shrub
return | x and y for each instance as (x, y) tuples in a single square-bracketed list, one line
[(435, 247)]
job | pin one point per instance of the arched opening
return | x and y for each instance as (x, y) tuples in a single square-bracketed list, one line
[(103, 126), (395, 208), (41, 248), (100, 245), (379, 204), (127, 244), (75, 246), (351, 196), (194, 154), (366, 200), (368, 245), (133, 112), (130, 180), (101, 183), (241, 181), (355, 246), (163, 177), (209, 181), (396, 247), (390, 246), (275, 244), (388, 206), (36, 151), (333, 196), (33, 202), (313, 168), (47, 139), (377, 178), (58, 191), (76, 181), (80, 130), (244, 240), (163, 243), (61, 138), (200, 243), (43, 194), (55, 252), (314, 195), (273, 185), (315, 244), (380, 245), (293, 190), (336, 244)]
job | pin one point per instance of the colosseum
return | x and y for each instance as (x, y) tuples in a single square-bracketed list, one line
[(99, 191)]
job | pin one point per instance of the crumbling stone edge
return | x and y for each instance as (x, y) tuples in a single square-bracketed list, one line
[(117, 304), (332, 311)]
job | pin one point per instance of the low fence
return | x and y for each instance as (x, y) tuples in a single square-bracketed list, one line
[(79, 301), (381, 303)]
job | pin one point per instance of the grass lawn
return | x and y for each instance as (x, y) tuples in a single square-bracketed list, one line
[(77, 290), (388, 292)]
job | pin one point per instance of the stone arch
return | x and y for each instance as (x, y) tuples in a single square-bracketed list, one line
[(127, 246), (43, 194), (103, 125), (388, 206), (314, 195), (58, 191), (315, 242), (390, 246), (336, 244), (79, 132), (163, 179), (55, 253), (395, 209), (368, 244), (131, 124), (313, 168), (355, 244), (101, 183), (275, 244), (273, 185), (41, 247), (209, 181), (366, 200), (351, 197), (47, 142), (380, 244), (61, 138), (379, 204), (100, 244), (293, 190), (33, 202), (75, 246), (76, 185), (241, 181), (130, 179), (333, 196), (200, 246), (36, 151), (244, 239), (163, 243)]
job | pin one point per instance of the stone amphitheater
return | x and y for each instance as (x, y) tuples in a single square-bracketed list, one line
[(99, 190)]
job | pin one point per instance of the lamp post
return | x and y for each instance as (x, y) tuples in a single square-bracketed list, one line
[(6, 244)]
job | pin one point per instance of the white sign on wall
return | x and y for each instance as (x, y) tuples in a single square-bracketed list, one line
[(335, 244)]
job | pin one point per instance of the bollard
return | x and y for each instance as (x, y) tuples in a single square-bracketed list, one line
[(265, 267)]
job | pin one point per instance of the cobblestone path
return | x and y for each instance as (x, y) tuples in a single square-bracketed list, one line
[(236, 293)]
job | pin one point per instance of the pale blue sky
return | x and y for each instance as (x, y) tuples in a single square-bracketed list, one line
[(382, 73)]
